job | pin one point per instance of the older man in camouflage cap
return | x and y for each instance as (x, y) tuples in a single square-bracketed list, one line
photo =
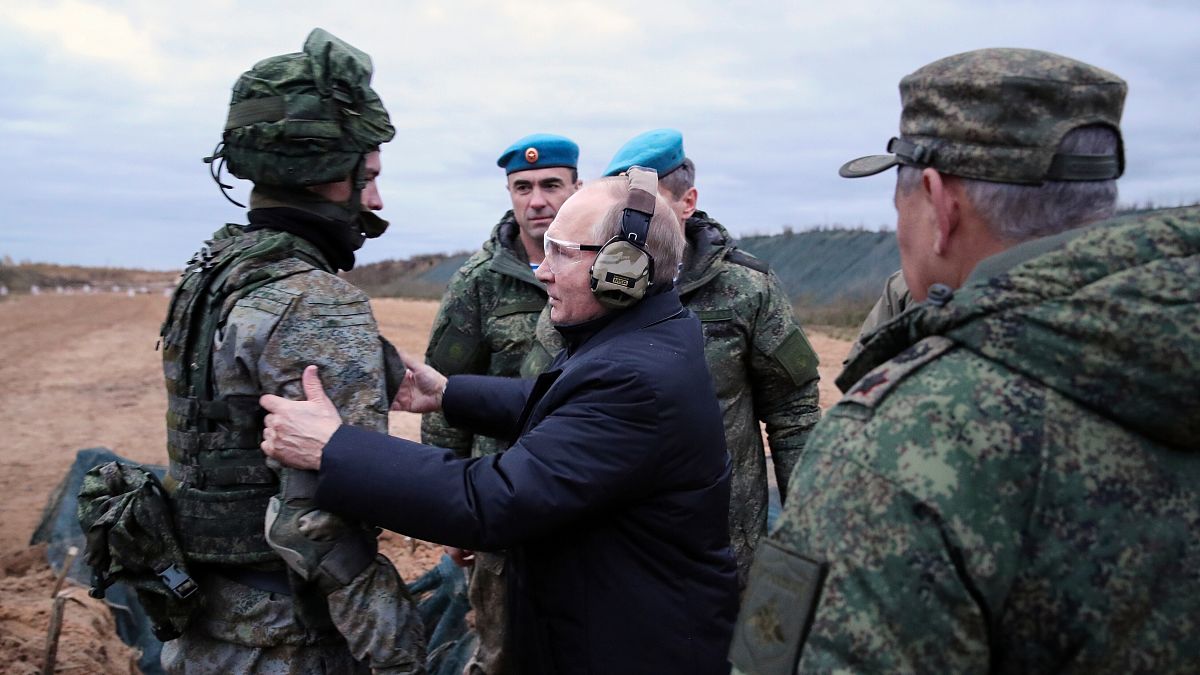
[(1011, 484), (305, 591)]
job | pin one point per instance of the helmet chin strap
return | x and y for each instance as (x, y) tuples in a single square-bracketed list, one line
[(361, 225), (369, 224)]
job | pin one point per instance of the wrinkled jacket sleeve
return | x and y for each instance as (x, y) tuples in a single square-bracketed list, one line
[(550, 477), (456, 346), (783, 373), (895, 598)]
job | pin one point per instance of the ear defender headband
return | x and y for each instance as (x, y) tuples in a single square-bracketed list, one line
[(624, 269)]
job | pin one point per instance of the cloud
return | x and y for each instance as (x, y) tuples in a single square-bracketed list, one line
[(93, 33), (118, 100)]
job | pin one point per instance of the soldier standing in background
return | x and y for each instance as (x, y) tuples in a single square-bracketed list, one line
[(1012, 484), (485, 326), (894, 300), (256, 305), (762, 365)]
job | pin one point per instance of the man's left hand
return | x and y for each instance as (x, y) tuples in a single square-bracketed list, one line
[(296, 431)]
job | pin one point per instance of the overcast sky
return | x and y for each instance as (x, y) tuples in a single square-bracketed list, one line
[(107, 107)]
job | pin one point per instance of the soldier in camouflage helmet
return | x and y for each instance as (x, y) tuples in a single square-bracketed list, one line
[(306, 591), (485, 325), (762, 365), (1011, 483)]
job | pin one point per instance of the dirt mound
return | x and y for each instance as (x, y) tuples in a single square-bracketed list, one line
[(88, 642)]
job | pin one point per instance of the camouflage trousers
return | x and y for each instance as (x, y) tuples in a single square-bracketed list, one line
[(247, 630), (488, 594)]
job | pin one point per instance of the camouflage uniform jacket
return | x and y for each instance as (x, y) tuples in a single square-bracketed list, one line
[(762, 365), (484, 327), (1013, 485), (262, 347)]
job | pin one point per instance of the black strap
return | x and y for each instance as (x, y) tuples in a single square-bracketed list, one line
[(1084, 167), (269, 109)]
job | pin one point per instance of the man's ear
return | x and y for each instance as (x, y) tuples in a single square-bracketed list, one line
[(689, 202), (944, 198)]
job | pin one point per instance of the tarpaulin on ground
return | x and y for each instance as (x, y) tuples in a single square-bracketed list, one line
[(442, 591)]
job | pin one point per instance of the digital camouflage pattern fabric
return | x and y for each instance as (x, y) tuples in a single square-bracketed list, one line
[(282, 309), (762, 366), (999, 115), (1013, 484), (305, 118), (484, 327)]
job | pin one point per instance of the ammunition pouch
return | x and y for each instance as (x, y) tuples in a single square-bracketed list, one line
[(127, 523)]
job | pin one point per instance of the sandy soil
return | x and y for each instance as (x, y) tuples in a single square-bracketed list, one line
[(81, 371)]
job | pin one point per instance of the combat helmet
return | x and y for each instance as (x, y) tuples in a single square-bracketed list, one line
[(304, 119)]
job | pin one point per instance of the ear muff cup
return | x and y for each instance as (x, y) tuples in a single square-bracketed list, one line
[(624, 270), (621, 273)]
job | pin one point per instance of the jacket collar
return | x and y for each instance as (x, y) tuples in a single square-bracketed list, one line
[(708, 242), (920, 320), (585, 336), (508, 254)]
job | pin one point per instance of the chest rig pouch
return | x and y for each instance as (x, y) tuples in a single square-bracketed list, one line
[(218, 479)]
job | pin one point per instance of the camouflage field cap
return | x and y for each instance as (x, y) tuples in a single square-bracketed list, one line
[(999, 114), (305, 118)]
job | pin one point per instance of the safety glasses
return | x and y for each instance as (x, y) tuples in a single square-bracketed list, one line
[(560, 253)]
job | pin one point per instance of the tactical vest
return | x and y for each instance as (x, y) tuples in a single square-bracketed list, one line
[(218, 478)]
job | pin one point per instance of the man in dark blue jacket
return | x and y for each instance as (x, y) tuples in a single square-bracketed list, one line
[(613, 499)]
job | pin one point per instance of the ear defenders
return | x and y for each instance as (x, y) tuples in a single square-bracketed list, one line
[(624, 270)]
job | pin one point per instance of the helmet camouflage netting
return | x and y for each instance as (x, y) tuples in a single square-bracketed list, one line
[(305, 118)]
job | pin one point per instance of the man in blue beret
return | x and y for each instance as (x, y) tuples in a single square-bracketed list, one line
[(763, 367), (485, 326)]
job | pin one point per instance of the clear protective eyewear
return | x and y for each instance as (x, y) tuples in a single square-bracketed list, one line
[(561, 253)]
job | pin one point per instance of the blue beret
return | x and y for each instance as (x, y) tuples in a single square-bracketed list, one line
[(539, 151), (659, 149)]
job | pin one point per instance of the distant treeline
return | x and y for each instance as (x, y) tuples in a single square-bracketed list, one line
[(832, 276), (22, 277)]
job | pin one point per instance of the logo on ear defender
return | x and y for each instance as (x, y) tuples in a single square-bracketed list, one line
[(619, 280)]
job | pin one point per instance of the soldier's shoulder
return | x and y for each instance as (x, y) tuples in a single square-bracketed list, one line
[(874, 388), (748, 261), (473, 268), (314, 294)]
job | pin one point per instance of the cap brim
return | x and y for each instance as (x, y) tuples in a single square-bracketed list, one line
[(868, 166)]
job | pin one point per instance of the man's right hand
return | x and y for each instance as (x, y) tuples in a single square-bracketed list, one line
[(461, 556), (421, 390)]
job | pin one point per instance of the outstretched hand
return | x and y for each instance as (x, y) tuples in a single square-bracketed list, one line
[(421, 390), (296, 431)]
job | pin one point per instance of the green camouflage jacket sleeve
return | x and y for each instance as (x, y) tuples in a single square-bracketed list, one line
[(456, 345), (783, 374), (313, 318)]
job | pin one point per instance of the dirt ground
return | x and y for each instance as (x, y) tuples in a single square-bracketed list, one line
[(81, 371)]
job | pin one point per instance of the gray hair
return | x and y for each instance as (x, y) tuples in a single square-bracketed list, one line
[(680, 179), (664, 240), (1020, 212)]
